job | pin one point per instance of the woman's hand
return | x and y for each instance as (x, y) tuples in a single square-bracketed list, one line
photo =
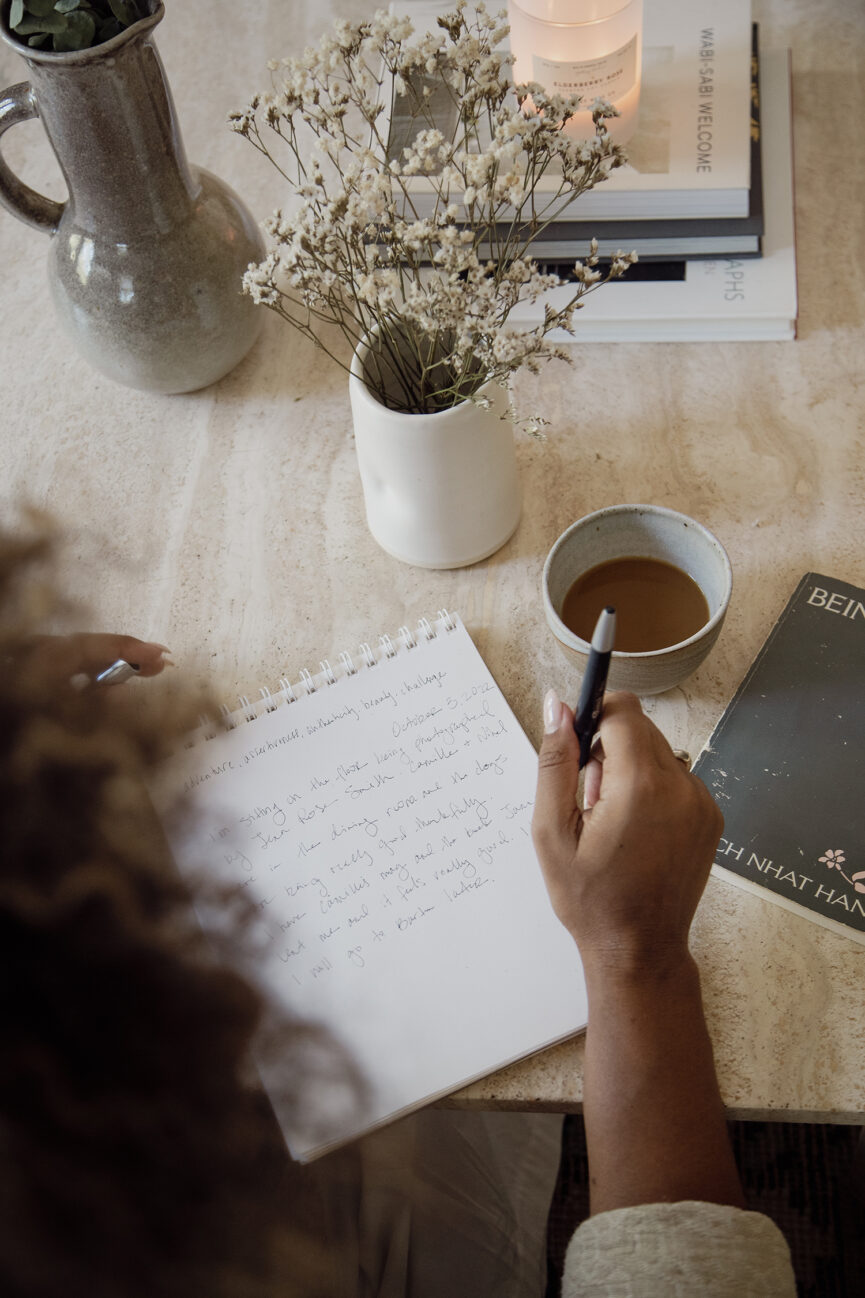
[(60, 658), (625, 875)]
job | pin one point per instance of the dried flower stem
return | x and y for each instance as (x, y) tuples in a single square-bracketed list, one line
[(432, 285)]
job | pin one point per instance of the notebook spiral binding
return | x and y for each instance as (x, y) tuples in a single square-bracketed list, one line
[(286, 693)]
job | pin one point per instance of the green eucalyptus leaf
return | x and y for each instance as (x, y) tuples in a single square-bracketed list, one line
[(78, 33), (73, 24), (124, 12), (32, 26)]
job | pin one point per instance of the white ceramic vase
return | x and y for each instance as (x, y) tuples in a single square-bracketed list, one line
[(441, 490)]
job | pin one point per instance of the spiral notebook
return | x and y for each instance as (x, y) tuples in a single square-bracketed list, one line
[(378, 812)]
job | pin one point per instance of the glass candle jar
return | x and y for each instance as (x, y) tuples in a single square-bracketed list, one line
[(590, 48)]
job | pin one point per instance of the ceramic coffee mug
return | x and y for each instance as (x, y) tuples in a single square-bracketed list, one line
[(647, 531)]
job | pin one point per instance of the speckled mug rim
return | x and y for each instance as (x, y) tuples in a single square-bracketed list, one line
[(573, 641)]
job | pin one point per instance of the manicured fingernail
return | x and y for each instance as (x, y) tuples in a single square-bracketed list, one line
[(552, 712)]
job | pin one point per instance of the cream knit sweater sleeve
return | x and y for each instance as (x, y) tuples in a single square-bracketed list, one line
[(678, 1250)]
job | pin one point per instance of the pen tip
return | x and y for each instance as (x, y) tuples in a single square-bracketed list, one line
[(605, 631)]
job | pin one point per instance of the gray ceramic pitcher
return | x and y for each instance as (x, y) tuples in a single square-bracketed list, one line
[(147, 253)]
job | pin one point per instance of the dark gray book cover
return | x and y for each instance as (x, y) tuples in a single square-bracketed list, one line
[(786, 762)]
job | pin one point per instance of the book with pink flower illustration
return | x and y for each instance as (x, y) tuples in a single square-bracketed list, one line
[(786, 762)]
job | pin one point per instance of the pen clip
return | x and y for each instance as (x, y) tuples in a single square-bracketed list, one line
[(117, 673)]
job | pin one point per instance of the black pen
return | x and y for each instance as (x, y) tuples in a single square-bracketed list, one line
[(591, 702)]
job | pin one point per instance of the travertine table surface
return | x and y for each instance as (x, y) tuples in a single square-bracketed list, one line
[(229, 524)]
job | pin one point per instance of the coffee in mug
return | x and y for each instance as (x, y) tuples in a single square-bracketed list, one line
[(656, 603)]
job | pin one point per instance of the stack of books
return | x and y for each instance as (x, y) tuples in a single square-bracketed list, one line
[(706, 199), (692, 184), (719, 299), (695, 224)]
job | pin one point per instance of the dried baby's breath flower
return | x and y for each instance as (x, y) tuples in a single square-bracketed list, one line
[(350, 246)]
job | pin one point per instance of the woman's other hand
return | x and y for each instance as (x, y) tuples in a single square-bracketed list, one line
[(60, 658)]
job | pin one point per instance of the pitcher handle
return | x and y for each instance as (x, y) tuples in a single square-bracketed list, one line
[(18, 104)]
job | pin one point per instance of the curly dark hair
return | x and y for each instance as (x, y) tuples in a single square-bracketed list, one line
[(138, 1155)]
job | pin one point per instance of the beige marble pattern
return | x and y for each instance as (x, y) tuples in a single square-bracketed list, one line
[(229, 523)]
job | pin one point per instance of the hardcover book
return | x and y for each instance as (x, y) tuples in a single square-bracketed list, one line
[(786, 762), (690, 155)]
